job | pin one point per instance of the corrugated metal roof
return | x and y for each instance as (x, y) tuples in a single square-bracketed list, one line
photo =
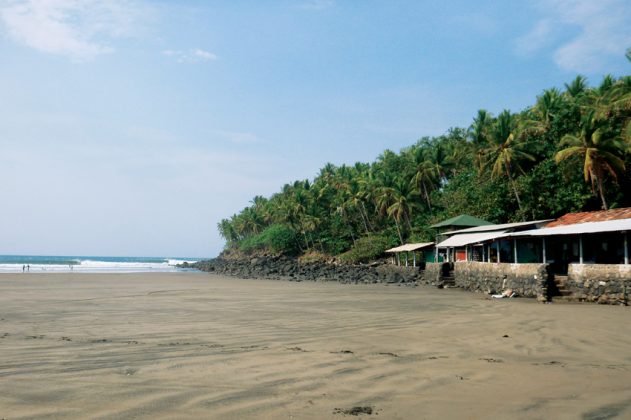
[(575, 229), (504, 226), (462, 220), (469, 238), (410, 247), (592, 216)]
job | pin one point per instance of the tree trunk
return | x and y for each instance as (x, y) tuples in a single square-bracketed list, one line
[(600, 191), (366, 216), (361, 215), (512, 181), (398, 231), (429, 204)]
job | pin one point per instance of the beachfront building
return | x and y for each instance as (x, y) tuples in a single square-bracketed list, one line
[(446, 227), (491, 243), (598, 237), (582, 256), (421, 253)]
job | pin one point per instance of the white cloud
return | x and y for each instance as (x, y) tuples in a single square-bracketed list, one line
[(78, 29), (194, 55), (602, 31)]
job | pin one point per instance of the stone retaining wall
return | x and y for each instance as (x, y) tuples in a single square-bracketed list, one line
[(602, 283), (527, 280), (432, 274)]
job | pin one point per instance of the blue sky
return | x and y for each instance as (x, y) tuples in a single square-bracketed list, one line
[(131, 127)]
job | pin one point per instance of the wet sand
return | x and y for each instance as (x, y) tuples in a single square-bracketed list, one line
[(190, 345)]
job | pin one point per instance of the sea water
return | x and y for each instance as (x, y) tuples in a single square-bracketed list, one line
[(89, 264)]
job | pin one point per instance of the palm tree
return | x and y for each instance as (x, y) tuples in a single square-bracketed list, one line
[(479, 132), (505, 151), (547, 106), (576, 87), (401, 207), (425, 176), (600, 151)]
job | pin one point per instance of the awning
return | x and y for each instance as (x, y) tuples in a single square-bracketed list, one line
[(411, 247), (469, 238), (503, 227), (620, 225)]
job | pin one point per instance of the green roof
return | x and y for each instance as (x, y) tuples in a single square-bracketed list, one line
[(462, 220)]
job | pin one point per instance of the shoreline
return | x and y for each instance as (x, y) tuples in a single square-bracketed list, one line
[(194, 345)]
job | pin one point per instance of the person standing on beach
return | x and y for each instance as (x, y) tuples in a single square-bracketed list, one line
[(28, 267), (23, 267)]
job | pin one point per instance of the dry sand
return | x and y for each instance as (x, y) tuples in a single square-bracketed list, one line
[(193, 345)]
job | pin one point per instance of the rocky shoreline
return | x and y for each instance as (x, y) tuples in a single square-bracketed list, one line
[(291, 269)]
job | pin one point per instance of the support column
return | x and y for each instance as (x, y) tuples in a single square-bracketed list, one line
[(407, 254), (543, 238), (498, 251), (580, 249), (515, 249), (626, 248), (398, 258), (414, 258), (483, 249)]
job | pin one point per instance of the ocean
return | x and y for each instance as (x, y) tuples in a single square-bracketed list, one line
[(89, 264)]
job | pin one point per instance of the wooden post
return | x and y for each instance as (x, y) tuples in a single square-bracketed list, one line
[(498, 251), (626, 249), (580, 249), (483, 246), (515, 249), (543, 238), (406, 258), (398, 259), (414, 258)]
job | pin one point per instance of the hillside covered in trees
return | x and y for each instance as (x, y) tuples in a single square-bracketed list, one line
[(569, 151)]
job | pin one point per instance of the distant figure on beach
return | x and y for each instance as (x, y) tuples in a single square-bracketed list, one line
[(23, 267), (28, 267), (71, 267)]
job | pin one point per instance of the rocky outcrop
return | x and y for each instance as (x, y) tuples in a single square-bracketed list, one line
[(286, 268)]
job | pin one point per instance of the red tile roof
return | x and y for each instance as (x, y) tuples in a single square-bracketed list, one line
[(592, 216)]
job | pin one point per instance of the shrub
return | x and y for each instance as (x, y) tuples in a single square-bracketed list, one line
[(275, 238), (365, 249)]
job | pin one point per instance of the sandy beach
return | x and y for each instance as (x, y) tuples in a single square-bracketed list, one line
[(189, 345)]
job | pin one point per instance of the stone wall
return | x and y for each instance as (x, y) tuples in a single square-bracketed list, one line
[(527, 280), (602, 283), (432, 273)]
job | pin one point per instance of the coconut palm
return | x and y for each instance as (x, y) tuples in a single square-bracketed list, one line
[(426, 176), (506, 151), (576, 87), (402, 204), (479, 132), (601, 152)]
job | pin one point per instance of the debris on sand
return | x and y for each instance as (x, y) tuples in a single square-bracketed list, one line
[(355, 411)]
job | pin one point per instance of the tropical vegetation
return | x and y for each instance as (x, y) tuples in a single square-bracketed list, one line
[(569, 151)]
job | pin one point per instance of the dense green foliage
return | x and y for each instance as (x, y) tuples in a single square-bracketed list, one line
[(570, 151), (366, 249), (276, 238)]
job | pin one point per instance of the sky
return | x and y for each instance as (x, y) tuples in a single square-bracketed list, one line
[(131, 128)]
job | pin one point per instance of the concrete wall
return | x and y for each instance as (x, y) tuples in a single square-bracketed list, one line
[(527, 280), (602, 283)]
